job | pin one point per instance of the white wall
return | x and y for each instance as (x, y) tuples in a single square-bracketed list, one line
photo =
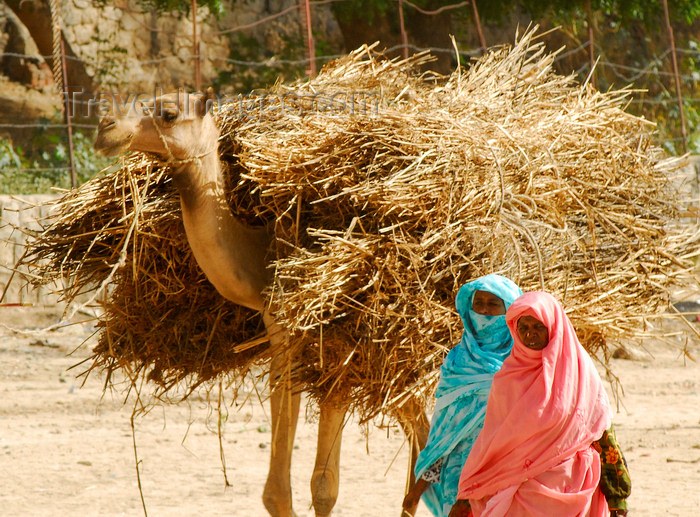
[(18, 213)]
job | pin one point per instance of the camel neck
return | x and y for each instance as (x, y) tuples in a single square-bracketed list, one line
[(231, 254), (198, 177)]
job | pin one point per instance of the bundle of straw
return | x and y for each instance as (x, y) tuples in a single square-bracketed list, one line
[(120, 237), (388, 190)]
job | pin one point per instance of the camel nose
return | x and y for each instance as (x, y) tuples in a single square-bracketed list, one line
[(106, 122)]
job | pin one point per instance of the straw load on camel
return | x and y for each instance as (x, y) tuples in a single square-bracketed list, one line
[(387, 189)]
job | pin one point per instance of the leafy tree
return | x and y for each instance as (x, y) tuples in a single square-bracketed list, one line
[(45, 165), (493, 11), (215, 6), (648, 12)]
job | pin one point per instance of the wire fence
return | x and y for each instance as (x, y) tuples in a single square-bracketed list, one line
[(652, 75), (635, 73), (628, 75)]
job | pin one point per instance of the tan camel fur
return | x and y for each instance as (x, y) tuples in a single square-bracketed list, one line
[(179, 129)]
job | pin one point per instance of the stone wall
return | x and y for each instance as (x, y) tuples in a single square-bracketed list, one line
[(123, 45), (17, 213)]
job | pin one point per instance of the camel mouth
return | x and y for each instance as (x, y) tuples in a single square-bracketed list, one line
[(110, 151), (109, 148)]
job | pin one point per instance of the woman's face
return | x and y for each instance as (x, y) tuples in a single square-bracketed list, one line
[(487, 304), (533, 333)]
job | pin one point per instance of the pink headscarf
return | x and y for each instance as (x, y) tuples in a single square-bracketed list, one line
[(546, 407)]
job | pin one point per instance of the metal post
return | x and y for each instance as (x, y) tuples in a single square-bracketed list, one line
[(195, 50), (479, 31), (404, 36), (675, 74), (591, 43), (310, 40), (60, 77), (67, 117)]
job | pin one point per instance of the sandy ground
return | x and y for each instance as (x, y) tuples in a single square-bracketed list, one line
[(67, 450)]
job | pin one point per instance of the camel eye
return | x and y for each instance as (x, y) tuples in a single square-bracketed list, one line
[(169, 115)]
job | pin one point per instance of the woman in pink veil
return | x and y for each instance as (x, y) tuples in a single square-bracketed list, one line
[(547, 407)]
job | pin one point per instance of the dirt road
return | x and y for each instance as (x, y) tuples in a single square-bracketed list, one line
[(67, 450)]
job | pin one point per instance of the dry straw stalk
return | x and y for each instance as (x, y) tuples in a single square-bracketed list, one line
[(388, 189)]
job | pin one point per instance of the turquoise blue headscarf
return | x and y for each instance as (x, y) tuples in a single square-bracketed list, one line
[(465, 380)]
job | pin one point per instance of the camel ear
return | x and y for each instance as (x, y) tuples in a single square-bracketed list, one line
[(204, 104)]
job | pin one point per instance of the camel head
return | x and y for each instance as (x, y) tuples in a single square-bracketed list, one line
[(175, 126)]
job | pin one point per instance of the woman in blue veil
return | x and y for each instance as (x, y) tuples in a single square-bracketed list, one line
[(465, 380)]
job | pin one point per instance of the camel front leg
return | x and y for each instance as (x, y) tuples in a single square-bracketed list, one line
[(284, 414), (325, 479), (277, 495), (416, 427), (284, 409)]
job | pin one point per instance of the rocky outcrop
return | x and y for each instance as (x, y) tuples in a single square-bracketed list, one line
[(123, 47), (26, 82), (23, 62)]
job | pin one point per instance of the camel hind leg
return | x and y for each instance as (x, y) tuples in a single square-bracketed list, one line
[(416, 427), (325, 479)]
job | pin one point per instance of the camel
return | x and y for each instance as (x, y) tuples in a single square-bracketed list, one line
[(180, 130)]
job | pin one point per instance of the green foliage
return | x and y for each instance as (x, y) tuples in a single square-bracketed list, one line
[(247, 52), (109, 67), (215, 6), (365, 9), (632, 43), (23, 172), (633, 55), (667, 115), (648, 12), (183, 6)]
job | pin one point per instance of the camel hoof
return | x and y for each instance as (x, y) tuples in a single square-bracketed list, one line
[(276, 505), (323, 500)]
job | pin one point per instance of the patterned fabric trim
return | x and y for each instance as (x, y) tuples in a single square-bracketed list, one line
[(615, 482), (432, 474)]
